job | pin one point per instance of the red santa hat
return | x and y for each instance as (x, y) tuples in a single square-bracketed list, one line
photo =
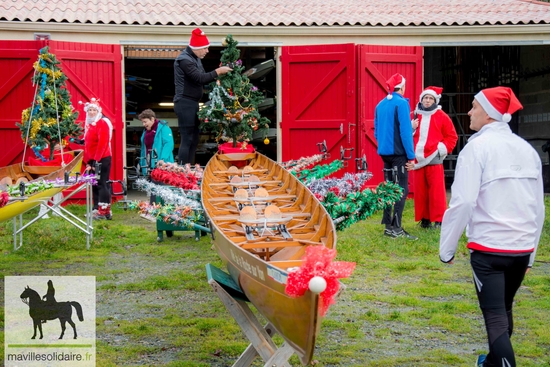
[(198, 39), (432, 91), (395, 81), (499, 103)]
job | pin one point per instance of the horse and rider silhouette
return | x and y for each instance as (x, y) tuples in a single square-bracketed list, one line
[(47, 308)]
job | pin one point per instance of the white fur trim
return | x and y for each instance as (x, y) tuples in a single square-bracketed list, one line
[(199, 48), (442, 149), (422, 138), (506, 117), (437, 97), (402, 84), (488, 107), (389, 96)]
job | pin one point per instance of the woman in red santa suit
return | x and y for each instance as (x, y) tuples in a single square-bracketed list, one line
[(97, 149), (434, 137)]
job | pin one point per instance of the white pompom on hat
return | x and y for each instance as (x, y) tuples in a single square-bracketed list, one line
[(432, 91), (499, 103), (94, 103), (198, 40), (395, 81)]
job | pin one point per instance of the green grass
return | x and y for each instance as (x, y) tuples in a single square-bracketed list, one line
[(401, 306)]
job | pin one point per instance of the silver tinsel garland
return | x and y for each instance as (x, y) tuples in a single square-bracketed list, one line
[(171, 194), (345, 185)]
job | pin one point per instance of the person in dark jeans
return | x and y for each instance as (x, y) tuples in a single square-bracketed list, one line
[(97, 155), (189, 80), (498, 196), (393, 132)]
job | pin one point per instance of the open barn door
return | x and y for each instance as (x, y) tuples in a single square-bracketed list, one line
[(319, 101), (376, 64)]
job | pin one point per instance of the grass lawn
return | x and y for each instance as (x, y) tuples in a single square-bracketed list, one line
[(401, 307)]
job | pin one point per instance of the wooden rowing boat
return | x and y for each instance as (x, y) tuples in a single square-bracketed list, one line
[(259, 249), (17, 173)]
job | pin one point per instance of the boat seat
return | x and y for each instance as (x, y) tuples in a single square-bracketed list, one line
[(251, 199), (235, 217), (271, 244), (285, 264)]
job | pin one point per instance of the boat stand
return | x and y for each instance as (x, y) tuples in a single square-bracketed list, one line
[(261, 343), (58, 210)]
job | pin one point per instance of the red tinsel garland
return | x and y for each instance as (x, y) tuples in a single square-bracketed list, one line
[(177, 179), (318, 262), (4, 198)]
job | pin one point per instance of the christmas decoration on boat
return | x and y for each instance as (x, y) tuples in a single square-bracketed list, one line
[(51, 117), (43, 185), (30, 188), (318, 266), (232, 111)]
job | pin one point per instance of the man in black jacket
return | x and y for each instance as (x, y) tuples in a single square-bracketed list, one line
[(189, 79)]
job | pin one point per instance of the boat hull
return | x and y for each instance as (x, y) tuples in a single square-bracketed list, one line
[(15, 208), (263, 277)]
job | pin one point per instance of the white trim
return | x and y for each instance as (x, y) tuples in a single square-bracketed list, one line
[(405, 35), (488, 107)]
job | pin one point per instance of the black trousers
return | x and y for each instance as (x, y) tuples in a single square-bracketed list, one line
[(188, 126), (101, 192), (392, 215), (497, 279)]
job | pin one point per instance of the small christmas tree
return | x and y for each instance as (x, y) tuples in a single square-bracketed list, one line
[(51, 118), (232, 113)]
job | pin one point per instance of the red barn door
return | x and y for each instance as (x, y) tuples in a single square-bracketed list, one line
[(319, 100), (376, 64), (16, 94), (93, 70)]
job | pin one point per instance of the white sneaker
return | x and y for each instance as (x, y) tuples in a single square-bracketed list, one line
[(94, 212), (43, 209)]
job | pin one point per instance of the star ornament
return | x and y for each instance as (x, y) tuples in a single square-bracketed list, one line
[(318, 263)]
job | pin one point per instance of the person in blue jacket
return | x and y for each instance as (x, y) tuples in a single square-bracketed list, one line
[(393, 132), (157, 141)]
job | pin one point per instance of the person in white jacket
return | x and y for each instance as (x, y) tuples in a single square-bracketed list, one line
[(498, 196)]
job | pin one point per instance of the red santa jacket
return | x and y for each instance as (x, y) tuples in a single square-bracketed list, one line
[(434, 138), (97, 140)]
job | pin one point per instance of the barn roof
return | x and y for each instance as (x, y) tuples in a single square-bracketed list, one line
[(280, 13)]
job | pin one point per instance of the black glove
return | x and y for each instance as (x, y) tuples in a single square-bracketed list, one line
[(77, 141), (92, 163)]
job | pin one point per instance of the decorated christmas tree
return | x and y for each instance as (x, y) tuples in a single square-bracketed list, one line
[(232, 112), (51, 117)]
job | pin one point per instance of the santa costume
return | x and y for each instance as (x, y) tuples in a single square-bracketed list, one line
[(97, 149), (434, 138)]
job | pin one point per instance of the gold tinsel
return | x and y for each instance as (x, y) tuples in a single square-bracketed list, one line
[(36, 125)]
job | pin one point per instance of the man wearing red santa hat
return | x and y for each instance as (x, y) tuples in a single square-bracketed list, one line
[(189, 79), (498, 196), (434, 137), (393, 132)]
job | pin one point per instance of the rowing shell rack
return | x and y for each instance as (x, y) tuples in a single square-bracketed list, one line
[(260, 337)]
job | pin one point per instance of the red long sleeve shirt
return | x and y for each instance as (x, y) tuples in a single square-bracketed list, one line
[(97, 142)]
